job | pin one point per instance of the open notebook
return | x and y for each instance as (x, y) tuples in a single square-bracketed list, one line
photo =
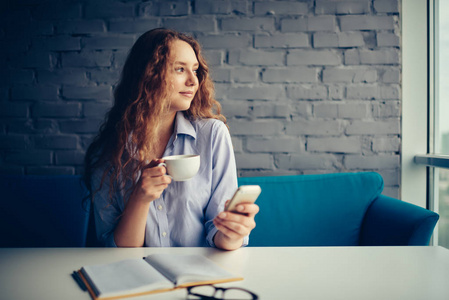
[(153, 274)]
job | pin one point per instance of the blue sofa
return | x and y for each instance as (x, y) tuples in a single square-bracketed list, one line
[(341, 209), (344, 209)]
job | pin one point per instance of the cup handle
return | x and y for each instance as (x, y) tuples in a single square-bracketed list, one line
[(163, 164)]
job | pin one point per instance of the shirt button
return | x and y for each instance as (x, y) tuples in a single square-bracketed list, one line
[(159, 207), (164, 234)]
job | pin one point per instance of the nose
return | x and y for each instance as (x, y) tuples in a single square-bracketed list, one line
[(192, 79)]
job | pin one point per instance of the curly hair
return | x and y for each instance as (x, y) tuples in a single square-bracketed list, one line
[(140, 101)]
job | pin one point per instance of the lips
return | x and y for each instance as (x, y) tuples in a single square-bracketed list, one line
[(187, 93)]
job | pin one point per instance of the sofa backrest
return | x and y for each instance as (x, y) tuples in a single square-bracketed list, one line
[(42, 211), (312, 210)]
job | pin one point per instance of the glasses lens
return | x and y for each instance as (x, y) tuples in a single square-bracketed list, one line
[(237, 294), (202, 290)]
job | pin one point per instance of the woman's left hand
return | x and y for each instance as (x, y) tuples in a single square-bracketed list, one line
[(234, 226)]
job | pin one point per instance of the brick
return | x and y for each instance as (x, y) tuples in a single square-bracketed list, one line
[(321, 23), (256, 127), (313, 57), (13, 142), (248, 24), (294, 25), (351, 74), (390, 92), (352, 57), (80, 26), (387, 110), (298, 40), (254, 161), (62, 76), (100, 9), (57, 10), (21, 76), (336, 92), (308, 161), (58, 43), (87, 58), (226, 41), (334, 144), (133, 26), (80, 126), (386, 6), (190, 23), (50, 170), (266, 92), (87, 92), (325, 110), (34, 59), (102, 76), (13, 110), (217, 7), (375, 162), (301, 109), (257, 58), (275, 144), (280, 8), (353, 110), (363, 91), (350, 39), (47, 92), (388, 40), (96, 110), (299, 74), (244, 75), (213, 57), (264, 110), (316, 92), (174, 8), (314, 127), (29, 157), (364, 22), (325, 40), (391, 75), (221, 75), (69, 157), (343, 7), (107, 42), (378, 127), (386, 144), (58, 110), (55, 142), (237, 144), (235, 108)]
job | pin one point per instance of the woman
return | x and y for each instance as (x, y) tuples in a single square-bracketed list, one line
[(164, 106)]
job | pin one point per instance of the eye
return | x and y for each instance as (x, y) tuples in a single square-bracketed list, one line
[(195, 71), (179, 69)]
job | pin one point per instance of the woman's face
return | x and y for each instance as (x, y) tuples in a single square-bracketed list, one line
[(182, 75)]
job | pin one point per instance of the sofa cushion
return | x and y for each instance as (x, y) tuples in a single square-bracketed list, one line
[(42, 211), (312, 210)]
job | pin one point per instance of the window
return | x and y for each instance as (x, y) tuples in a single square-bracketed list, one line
[(436, 156)]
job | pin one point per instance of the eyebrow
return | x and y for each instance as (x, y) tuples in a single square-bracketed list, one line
[(184, 64)]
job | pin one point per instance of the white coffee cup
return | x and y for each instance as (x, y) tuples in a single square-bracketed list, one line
[(181, 167)]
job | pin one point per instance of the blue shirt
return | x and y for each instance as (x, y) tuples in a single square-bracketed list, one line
[(183, 214)]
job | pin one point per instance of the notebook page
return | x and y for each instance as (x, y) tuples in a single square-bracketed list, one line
[(123, 277), (187, 268)]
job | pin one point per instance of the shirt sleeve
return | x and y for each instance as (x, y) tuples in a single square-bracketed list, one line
[(224, 178), (107, 213)]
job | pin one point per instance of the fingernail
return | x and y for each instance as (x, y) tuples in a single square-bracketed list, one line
[(240, 208), (222, 215)]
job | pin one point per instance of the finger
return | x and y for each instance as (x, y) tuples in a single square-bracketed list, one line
[(154, 171), (237, 221), (250, 209), (154, 162), (230, 233)]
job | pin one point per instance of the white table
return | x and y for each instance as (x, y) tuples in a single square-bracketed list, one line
[(272, 273)]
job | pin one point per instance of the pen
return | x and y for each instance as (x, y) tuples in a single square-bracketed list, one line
[(78, 280)]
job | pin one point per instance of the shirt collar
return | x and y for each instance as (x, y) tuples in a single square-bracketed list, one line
[(183, 125)]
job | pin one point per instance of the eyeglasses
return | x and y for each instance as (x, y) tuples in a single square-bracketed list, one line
[(210, 292)]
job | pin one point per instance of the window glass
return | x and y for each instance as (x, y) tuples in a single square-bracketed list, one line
[(442, 93)]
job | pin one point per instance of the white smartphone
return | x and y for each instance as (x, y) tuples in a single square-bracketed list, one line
[(244, 194)]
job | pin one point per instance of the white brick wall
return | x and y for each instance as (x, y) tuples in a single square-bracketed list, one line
[(307, 86)]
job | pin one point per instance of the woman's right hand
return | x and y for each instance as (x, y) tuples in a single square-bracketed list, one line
[(152, 181)]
